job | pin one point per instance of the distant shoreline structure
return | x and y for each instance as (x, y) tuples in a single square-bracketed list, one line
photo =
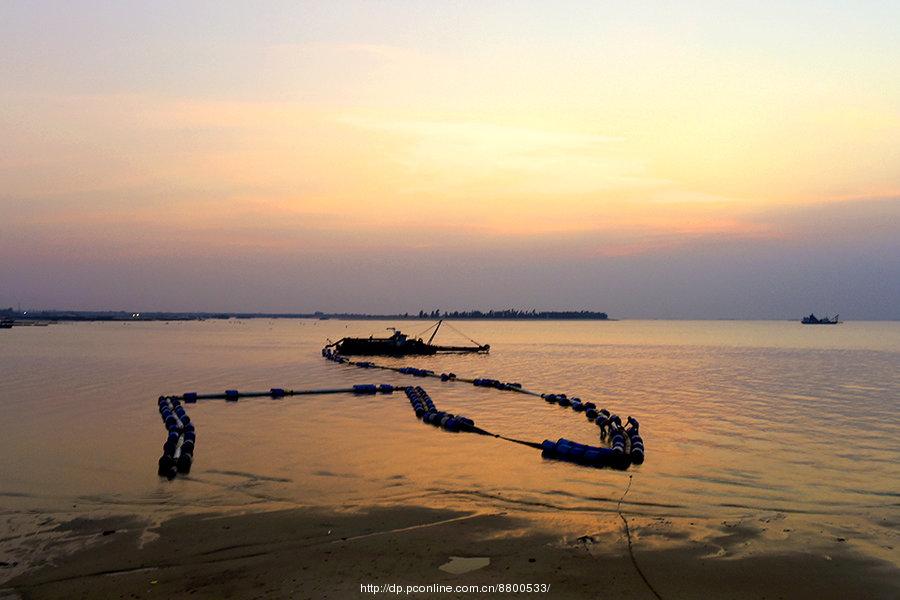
[(471, 315)]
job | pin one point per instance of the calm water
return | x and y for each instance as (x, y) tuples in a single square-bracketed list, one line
[(740, 419)]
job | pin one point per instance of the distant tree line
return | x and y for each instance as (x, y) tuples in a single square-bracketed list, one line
[(508, 313), (512, 313)]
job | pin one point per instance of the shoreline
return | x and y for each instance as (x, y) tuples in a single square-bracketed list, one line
[(324, 553), (50, 315)]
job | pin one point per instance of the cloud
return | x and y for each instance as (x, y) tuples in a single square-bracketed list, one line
[(504, 159)]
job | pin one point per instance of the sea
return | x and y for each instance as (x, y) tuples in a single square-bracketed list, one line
[(772, 422)]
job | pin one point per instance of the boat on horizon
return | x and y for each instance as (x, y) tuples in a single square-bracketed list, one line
[(400, 344), (813, 320)]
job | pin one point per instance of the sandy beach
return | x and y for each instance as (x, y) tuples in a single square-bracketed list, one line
[(316, 553)]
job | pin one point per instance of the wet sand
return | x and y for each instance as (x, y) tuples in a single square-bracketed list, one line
[(318, 553)]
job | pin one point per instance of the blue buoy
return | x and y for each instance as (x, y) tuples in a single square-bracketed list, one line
[(548, 448), (465, 422), (167, 467), (637, 455), (591, 456), (184, 462)]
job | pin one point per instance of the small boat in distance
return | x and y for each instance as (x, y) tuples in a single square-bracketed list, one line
[(400, 344), (813, 320)]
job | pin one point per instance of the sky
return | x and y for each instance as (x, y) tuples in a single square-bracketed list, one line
[(652, 160)]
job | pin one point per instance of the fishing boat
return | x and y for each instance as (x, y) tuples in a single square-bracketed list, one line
[(400, 344), (813, 320)]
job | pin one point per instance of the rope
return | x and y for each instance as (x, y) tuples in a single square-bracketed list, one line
[(181, 430), (461, 333), (523, 442), (623, 454), (628, 535), (481, 431), (418, 335)]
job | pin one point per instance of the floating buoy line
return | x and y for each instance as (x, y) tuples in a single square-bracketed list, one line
[(624, 445)]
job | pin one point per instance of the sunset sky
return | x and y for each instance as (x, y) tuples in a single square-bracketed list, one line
[(683, 159)]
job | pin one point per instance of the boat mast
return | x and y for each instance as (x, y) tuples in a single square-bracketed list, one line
[(435, 331)]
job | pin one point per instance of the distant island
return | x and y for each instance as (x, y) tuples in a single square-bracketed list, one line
[(490, 315), (505, 314)]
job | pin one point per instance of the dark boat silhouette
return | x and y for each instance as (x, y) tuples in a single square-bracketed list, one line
[(400, 344), (813, 320)]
